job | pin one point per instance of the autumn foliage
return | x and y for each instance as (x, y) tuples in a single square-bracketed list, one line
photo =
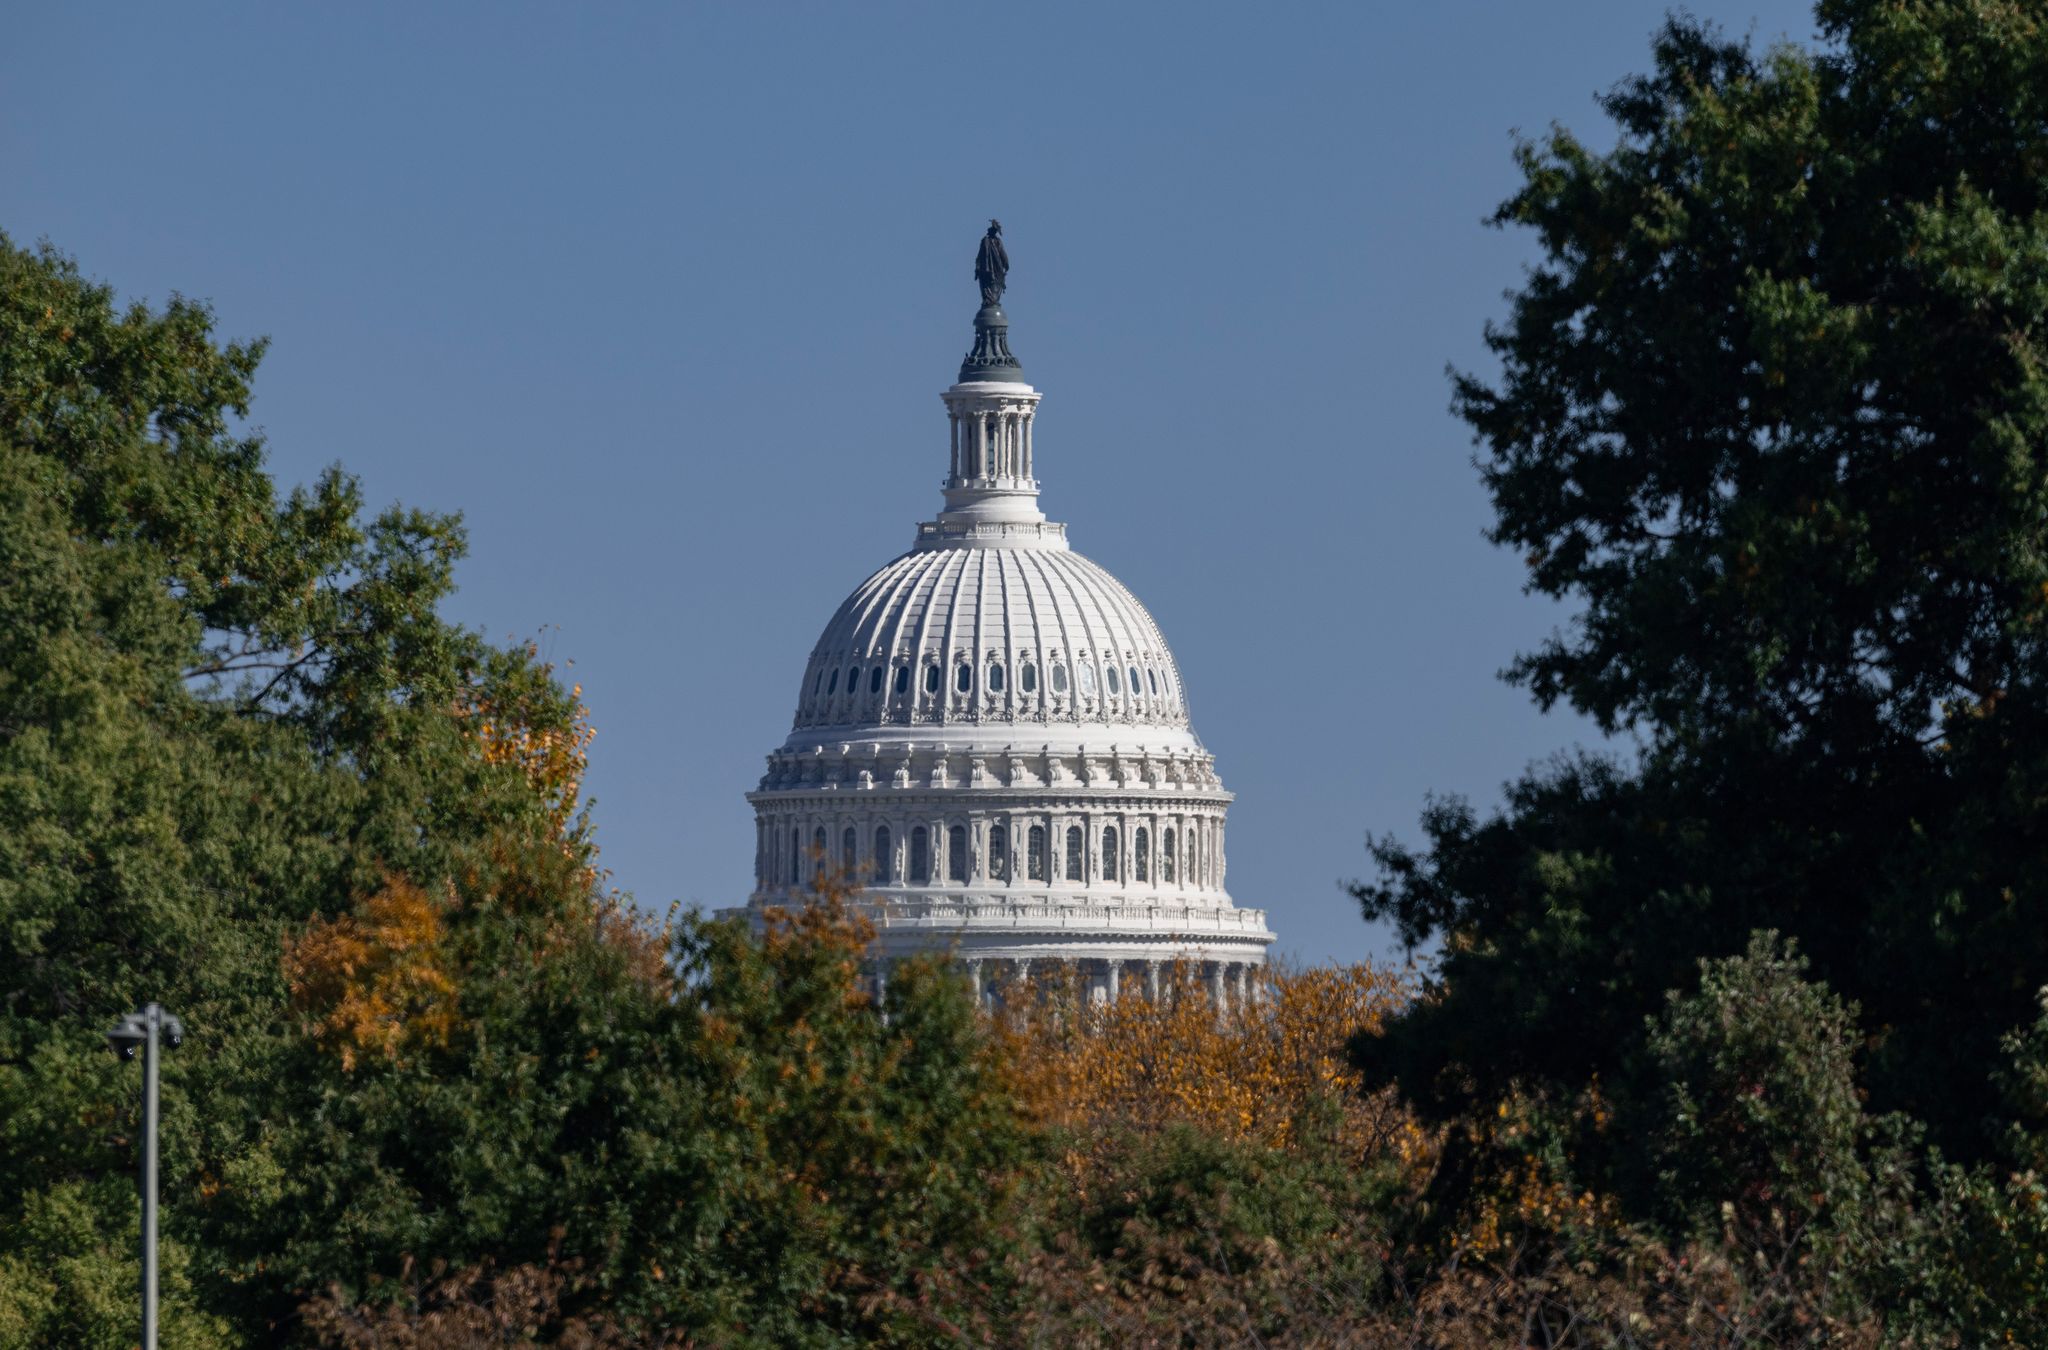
[(1251, 1074)]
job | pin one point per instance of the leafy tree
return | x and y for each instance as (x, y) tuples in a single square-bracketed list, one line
[(222, 715), (1772, 409)]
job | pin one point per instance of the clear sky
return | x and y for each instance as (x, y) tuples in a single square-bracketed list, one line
[(661, 299)]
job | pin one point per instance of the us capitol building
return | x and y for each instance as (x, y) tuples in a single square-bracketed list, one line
[(992, 739)]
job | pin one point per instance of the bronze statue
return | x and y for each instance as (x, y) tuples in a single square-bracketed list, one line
[(991, 264)]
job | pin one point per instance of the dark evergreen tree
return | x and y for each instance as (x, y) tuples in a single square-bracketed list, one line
[(1773, 412)]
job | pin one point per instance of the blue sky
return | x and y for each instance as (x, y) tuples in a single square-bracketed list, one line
[(661, 299)]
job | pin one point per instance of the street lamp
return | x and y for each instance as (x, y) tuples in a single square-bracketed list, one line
[(144, 1031)]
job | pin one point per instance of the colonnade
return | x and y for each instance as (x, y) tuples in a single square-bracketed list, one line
[(1228, 985), (1158, 851), (991, 444)]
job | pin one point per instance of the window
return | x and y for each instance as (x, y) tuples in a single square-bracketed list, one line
[(875, 681), (852, 680), (1073, 853), (1152, 677), (1136, 688), (1114, 687), (1035, 865), (882, 859), (931, 679), (998, 853), (920, 855), (849, 850), (1141, 855), (1059, 679), (1166, 856), (956, 853), (1027, 678), (903, 679), (818, 685), (1109, 854), (1086, 675), (794, 871), (995, 679), (833, 687), (1194, 879), (963, 678)]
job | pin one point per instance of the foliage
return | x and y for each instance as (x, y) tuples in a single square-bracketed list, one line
[(1756, 1121), (1771, 410), (1260, 1073), (745, 1148)]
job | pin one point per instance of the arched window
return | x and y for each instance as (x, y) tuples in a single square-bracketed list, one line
[(1074, 853), (1166, 842), (883, 862), (1027, 678), (956, 853), (1194, 878), (875, 681), (818, 685), (1114, 686), (931, 679), (1109, 853), (849, 850), (903, 679), (1136, 688), (920, 855), (852, 680), (1152, 677), (1059, 679), (1086, 675), (1035, 865), (795, 873), (995, 679), (1141, 855), (963, 678), (998, 853), (833, 687), (820, 859)]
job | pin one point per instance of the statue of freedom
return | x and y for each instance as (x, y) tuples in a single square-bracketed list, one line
[(992, 264)]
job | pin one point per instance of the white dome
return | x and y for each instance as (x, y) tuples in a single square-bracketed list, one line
[(991, 636), (992, 741)]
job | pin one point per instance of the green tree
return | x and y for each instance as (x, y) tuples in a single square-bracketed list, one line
[(1772, 410), (222, 715)]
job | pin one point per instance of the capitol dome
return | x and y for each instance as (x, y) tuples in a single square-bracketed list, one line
[(992, 740)]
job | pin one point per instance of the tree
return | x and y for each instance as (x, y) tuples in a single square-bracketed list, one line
[(222, 716), (1773, 410)]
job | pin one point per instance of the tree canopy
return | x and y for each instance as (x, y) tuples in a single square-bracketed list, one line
[(1772, 413)]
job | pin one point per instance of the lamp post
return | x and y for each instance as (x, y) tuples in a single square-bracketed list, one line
[(145, 1030)]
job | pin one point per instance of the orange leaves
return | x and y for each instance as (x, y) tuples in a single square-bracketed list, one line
[(376, 981), (1253, 1075)]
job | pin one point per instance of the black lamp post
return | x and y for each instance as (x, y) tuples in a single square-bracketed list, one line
[(145, 1031)]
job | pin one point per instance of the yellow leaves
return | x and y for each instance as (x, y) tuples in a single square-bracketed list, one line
[(553, 759), (376, 981)]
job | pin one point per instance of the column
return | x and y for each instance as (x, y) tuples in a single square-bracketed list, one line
[(980, 447), (1114, 989), (1152, 980), (1243, 985), (1027, 445), (1216, 985), (974, 979)]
